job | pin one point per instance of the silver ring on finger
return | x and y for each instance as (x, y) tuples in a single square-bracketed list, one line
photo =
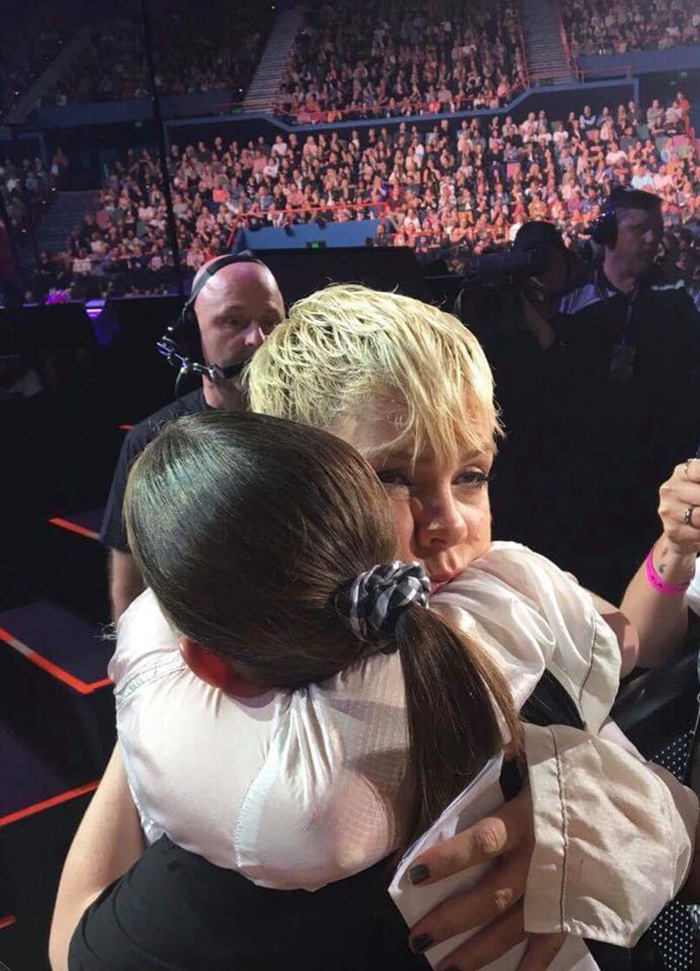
[(688, 515)]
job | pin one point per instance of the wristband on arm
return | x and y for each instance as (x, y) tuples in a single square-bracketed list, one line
[(658, 582)]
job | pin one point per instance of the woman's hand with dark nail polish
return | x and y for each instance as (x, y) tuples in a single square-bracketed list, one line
[(420, 943), (417, 874)]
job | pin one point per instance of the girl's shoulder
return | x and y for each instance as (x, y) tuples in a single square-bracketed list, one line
[(279, 772), (144, 639)]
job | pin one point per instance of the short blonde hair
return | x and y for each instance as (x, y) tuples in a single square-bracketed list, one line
[(343, 347)]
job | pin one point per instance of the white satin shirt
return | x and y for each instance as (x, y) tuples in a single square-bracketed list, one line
[(298, 789)]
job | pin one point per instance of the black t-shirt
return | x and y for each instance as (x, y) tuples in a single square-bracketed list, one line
[(174, 911), (633, 377), (627, 411), (113, 534), (578, 475)]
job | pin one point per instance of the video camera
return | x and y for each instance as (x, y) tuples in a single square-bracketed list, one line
[(493, 284), (512, 264)]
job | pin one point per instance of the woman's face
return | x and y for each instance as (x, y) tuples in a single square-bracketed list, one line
[(441, 509)]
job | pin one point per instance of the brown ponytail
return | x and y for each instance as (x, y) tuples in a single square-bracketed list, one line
[(453, 694)]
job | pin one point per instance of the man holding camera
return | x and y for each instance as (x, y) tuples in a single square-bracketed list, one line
[(512, 304)]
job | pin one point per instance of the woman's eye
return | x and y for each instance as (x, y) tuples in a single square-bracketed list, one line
[(474, 478), (391, 477)]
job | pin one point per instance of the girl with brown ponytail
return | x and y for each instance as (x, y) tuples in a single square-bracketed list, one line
[(270, 548)]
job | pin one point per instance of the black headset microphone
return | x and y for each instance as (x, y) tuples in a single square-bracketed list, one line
[(604, 230), (180, 345)]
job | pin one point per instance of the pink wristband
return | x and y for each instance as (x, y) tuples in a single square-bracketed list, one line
[(658, 583)]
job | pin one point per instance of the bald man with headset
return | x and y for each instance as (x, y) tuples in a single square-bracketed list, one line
[(235, 302)]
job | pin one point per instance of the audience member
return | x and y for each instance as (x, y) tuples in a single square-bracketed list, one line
[(26, 188)]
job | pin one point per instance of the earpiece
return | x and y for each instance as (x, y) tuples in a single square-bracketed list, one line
[(185, 332), (604, 230)]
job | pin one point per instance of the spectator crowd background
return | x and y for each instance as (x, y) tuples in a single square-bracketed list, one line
[(197, 47), (369, 58), (460, 190), (389, 58), (22, 186), (26, 189), (455, 187), (599, 27), (31, 38)]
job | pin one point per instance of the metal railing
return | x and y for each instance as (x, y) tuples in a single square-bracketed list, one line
[(564, 37), (288, 216), (523, 53), (551, 74), (622, 71), (405, 108)]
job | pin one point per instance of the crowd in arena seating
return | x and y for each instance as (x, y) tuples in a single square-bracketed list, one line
[(26, 188), (598, 27), (370, 59), (465, 188), (196, 48), (31, 38), (385, 59)]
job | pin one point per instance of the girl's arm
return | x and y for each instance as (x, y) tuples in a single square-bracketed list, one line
[(108, 842)]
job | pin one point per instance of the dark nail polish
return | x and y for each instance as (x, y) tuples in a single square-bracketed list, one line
[(420, 943), (452, 967), (417, 874)]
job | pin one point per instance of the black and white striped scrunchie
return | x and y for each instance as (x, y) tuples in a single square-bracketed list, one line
[(371, 603)]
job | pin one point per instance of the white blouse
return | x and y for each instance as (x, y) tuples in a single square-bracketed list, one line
[(299, 789), (693, 593)]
